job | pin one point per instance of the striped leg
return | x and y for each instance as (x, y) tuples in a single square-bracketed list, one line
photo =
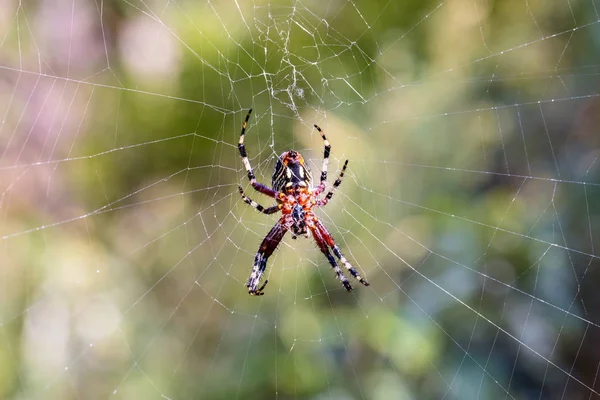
[(259, 187), (268, 210), (267, 247), (337, 183), (321, 242), (326, 152), (349, 267), (338, 253)]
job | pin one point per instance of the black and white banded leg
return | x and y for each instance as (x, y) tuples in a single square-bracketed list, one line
[(322, 243), (326, 153), (266, 249), (249, 201), (242, 149), (259, 187), (319, 227), (349, 267), (337, 183)]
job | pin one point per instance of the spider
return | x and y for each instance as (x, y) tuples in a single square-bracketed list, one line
[(292, 190)]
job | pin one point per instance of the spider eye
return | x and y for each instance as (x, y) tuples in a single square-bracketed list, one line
[(292, 154)]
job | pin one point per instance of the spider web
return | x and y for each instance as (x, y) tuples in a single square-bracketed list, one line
[(470, 201)]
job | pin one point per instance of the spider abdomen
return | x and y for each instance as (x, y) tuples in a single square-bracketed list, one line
[(291, 172)]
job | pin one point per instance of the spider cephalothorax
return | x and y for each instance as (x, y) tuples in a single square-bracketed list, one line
[(295, 196)]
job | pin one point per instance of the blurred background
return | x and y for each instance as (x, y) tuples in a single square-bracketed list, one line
[(471, 201)]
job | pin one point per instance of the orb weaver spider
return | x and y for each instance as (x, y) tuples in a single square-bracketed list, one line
[(292, 190)]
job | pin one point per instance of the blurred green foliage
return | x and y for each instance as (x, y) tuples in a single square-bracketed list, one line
[(471, 202)]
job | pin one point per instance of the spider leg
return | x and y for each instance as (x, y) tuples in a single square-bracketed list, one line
[(338, 253), (259, 187), (267, 247), (321, 242), (326, 152), (268, 210), (337, 183)]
